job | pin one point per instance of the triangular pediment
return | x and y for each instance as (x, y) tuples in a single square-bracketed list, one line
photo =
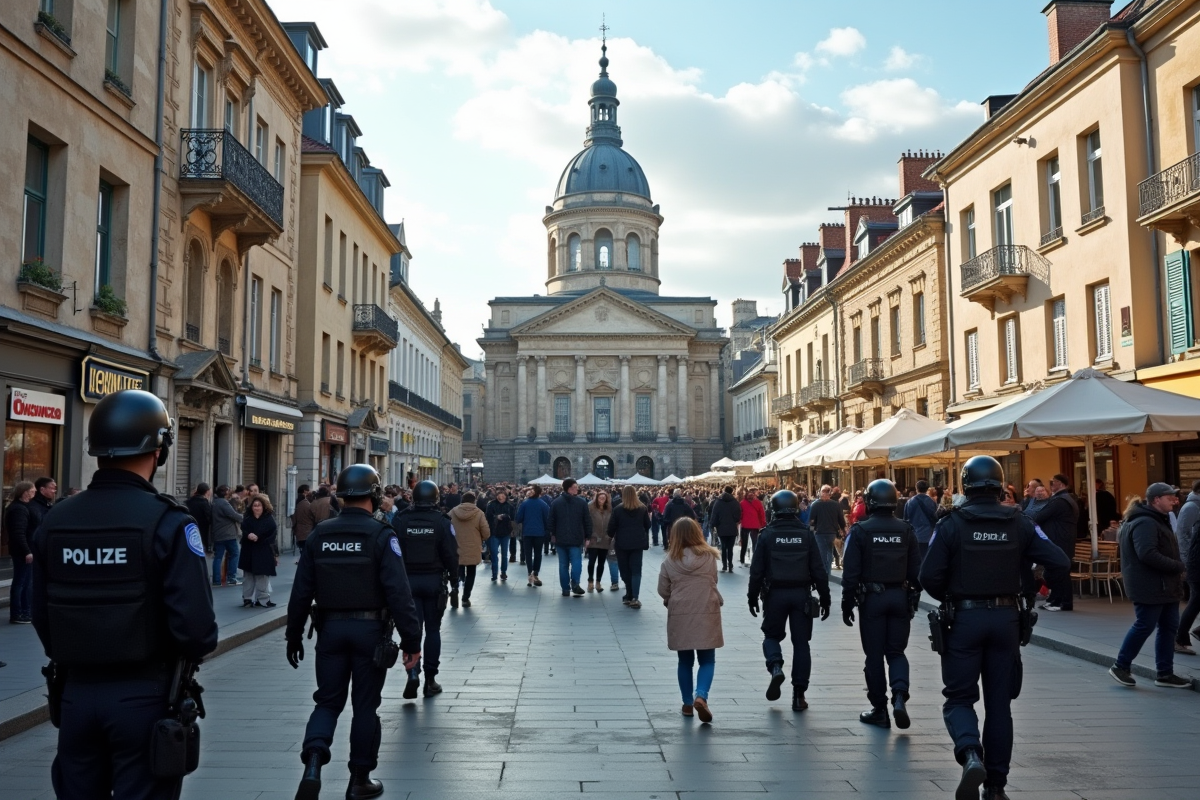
[(602, 312), (205, 372)]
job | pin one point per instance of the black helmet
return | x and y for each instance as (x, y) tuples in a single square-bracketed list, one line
[(785, 503), (128, 423), (360, 480), (982, 472), (425, 494), (881, 495)]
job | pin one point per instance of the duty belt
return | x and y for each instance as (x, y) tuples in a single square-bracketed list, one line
[(986, 602), (378, 615), (880, 588)]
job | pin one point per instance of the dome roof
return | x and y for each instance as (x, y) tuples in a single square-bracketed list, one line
[(603, 167)]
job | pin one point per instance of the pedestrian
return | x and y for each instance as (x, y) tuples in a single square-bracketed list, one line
[(828, 522), (471, 529), (570, 529), (353, 568), (1059, 520), (879, 576), (785, 569), (534, 517), (199, 505), (431, 563), (499, 514), (227, 527), (676, 508), (629, 528), (17, 520), (921, 513), (687, 583), (725, 518), (117, 628), (303, 520), (257, 560), (601, 544), (754, 519), (977, 560), (42, 502), (325, 506), (1153, 573), (657, 506)]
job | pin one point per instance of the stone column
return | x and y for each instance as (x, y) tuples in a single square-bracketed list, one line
[(493, 393), (681, 427), (542, 400), (580, 399), (522, 398), (661, 421), (714, 401), (625, 415)]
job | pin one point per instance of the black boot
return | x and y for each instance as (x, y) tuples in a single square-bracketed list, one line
[(798, 701), (899, 710), (973, 775), (994, 793), (410, 688), (877, 717), (777, 679), (362, 785), (432, 687), (310, 784)]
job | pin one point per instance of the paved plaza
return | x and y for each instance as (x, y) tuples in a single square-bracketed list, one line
[(547, 696)]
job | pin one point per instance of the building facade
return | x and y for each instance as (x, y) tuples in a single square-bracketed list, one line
[(754, 431), (473, 416)]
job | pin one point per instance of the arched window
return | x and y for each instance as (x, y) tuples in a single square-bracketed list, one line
[(193, 313), (575, 253), (645, 466), (633, 252), (562, 467), (602, 467), (604, 249), (225, 308), (552, 257)]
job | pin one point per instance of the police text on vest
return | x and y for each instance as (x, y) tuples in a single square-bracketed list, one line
[(791, 540), (885, 540), (990, 537), (93, 556), (341, 547)]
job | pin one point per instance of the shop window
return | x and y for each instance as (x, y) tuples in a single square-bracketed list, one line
[(29, 451)]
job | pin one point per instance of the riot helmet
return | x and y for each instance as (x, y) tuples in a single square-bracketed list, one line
[(129, 423), (425, 494), (881, 495), (785, 503), (361, 480), (983, 475)]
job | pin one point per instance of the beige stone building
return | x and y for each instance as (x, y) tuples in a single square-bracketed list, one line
[(754, 430), (473, 417)]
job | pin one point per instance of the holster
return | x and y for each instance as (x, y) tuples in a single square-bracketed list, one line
[(813, 607), (175, 742), (387, 651), (937, 640), (55, 680), (1028, 618)]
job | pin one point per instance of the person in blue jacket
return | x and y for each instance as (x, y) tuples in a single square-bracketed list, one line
[(533, 515)]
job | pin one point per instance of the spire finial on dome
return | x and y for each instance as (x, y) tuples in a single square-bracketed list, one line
[(603, 47)]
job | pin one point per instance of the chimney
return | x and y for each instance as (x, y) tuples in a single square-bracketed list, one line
[(912, 164), (808, 256), (437, 311), (1071, 21), (744, 310), (872, 208)]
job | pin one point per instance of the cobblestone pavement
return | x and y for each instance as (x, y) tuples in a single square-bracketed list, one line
[(547, 696)]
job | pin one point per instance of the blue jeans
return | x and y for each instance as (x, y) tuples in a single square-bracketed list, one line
[(825, 545), (498, 553), (229, 546), (704, 675), (1164, 616), (569, 559), (22, 583)]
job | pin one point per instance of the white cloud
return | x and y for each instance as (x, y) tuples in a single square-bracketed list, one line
[(900, 59), (897, 106), (842, 42)]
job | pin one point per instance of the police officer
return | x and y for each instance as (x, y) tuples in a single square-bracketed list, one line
[(120, 596), (785, 567), (430, 558), (879, 574), (974, 566), (352, 565)]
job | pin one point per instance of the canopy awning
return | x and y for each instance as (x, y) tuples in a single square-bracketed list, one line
[(638, 479), (671, 479), (812, 456), (592, 480), (873, 445), (545, 480), (769, 462)]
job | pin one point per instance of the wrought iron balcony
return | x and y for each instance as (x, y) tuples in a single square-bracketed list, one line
[(1052, 235), (223, 345), (817, 394), (374, 330), (1001, 273), (645, 436), (770, 432), (867, 376), (1170, 200), (601, 438), (219, 176), (1093, 215), (785, 404), (561, 436), (399, 394), (191, 332)]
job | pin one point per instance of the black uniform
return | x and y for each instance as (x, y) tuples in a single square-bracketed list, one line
[(785, 567), (430, 557), (880, 563), (352, 566), (976, 559), (120, 595)]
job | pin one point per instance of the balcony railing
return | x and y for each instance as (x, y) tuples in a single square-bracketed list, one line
[(737, 438), (1052, 235), (784, 403), (217, 155), (417, 403), (191, 332), (869, 370), (770, 431), (1004, 260), (601, 438), (645, 436), (561, 436), (371, 319), (816, 392), (1095, 214), (223, 345), (1172, 184)]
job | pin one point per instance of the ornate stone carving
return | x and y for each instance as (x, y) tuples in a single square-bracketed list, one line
[(602, 314)]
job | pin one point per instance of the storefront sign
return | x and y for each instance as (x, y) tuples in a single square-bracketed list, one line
[(30, 406), (334, 433), (427, 463), (102, 378), (264, 420), (379, 446)]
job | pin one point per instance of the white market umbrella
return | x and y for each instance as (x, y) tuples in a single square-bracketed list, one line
[(671, 479), (592, 480), (770, 462), (638, 479), (545, 480), (813, 455), (873, 445), (724, 463)]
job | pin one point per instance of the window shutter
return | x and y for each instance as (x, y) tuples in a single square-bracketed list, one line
[(1010, 349), (1060, 334), (1103, 323), (973, 359), (1179, 301)]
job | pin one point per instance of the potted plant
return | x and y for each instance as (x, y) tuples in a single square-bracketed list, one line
[(51, 23), (114, 80), (108, 312), (38, 272), (40, 286), (108, 302)]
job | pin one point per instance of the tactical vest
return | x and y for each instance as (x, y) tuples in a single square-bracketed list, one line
[(418, 533), (987, 562), (885, 541), (788, 563), (346, 563), (103, 585)]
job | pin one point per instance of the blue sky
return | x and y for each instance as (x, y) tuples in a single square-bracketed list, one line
[(749, 119)]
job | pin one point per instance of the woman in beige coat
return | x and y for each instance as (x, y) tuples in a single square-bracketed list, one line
[(471, 530), (687, 583)]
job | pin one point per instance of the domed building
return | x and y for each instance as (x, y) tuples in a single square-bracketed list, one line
[(602, 374)]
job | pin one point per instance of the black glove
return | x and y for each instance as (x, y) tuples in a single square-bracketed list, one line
[(753, 606), (825, 603), (848, 615), (295, 652), (914, 602)]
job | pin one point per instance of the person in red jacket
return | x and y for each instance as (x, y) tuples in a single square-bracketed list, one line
[(657, 507), (754, 519)]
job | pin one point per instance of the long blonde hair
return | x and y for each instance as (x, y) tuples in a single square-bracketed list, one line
[(685, 534), (630, 499)]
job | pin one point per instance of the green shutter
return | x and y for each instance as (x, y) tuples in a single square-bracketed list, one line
[(1179, 301)]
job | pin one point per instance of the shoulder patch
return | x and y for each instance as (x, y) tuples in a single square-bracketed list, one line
[(1038, 530), (452, 533), (395, 543), (191, 532)]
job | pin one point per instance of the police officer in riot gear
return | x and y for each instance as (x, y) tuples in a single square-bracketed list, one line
[(975, 566), (430, 558), (879, 575), (353, 567), (785, 567), (120, 598)]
